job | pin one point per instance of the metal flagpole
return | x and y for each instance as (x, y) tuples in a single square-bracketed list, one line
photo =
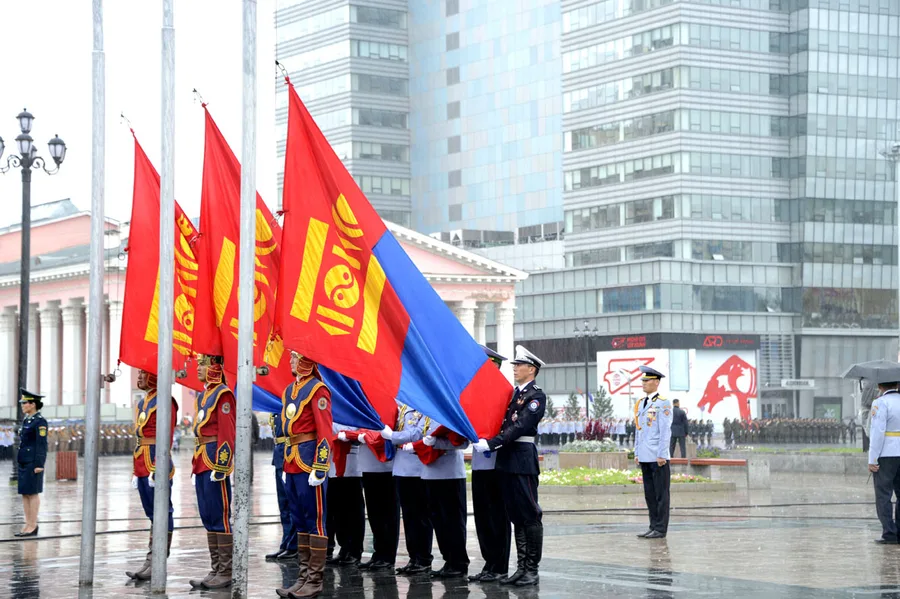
[(247, 269), (95, 308), (160, 530)]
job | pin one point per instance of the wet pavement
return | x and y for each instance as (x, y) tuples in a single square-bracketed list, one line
[(810, 536)]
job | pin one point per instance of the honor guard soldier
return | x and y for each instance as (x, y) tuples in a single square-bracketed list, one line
[(884, 457), (144, 455), (517, 460), (30, 459), (287, 550), (410, 428), (491, 520), (213, 462), (653, 429), (306, 414), (346, 507)]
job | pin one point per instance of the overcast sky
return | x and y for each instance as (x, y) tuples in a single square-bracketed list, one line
[(47, 68)]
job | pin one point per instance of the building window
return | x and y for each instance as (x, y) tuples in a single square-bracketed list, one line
[(453, 76), (376, 151), (454, 144), (372, 117), (453, 110), (382, 17), (454, 178), (452, 41), (377, 50), (375, 84), (455, 212), (452, 7), (394, 186)]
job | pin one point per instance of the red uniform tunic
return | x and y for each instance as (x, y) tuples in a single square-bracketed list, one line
[(145, 431), (306, 410), (214, 431)]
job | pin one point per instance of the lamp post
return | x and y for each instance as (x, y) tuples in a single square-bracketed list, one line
[(27, 159), (587, 334), (893, 154)]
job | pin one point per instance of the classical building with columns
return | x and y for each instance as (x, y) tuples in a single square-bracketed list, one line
[(478, 290)]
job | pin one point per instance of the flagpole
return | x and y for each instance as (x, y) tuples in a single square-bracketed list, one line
[(160, 527), (95, 310), (247, 269)]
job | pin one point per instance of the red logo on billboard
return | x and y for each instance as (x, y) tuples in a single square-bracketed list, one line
[(634, 342), (735, 378), (713, 341), (621, 373)]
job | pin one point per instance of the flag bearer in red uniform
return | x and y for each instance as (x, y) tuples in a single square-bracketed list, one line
[(306, 414), (145, 459), (214, 432)]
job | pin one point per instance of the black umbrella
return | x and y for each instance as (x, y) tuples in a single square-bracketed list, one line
[(876, 371)]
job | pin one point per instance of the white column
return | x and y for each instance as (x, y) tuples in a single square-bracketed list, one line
[(51, 351), (505, 334), (465, 312), (34, 349), (480, 320), (119, 391), (8, 359), (73, 354)]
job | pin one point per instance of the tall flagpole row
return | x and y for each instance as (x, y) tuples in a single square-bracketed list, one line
[(166, 303), (247, 268), (95, 306)]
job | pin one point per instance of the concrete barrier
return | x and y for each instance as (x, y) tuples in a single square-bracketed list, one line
[(818, 463), (617, 460), (755, 474)]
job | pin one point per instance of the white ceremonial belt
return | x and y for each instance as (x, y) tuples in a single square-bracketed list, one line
[(525, 440)]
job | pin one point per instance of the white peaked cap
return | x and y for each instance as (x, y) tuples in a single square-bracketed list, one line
[(523, 356)]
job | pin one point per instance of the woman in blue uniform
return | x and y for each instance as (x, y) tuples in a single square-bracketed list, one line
[(31, 457)]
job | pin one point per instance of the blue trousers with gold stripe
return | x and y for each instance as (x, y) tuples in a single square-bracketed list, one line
[(307, 503), (214, 501), (146, 493)]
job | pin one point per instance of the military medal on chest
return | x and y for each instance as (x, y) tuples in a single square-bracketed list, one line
[(291, 411)]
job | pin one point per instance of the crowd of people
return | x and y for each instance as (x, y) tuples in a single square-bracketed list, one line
[(789, 430)]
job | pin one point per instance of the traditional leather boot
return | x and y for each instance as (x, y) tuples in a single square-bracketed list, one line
[(521, 549), (222, 579), (145, 575), (318, 551), (535, 536), (145, 569), (303, 560), (213, 560)]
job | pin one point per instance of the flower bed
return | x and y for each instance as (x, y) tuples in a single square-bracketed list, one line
[(604, 446), (587, 477)]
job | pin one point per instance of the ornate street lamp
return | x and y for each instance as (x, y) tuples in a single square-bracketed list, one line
[(27, 160)]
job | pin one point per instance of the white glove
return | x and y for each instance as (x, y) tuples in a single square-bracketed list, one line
[(361, 439), (193, 478), (408, 448), (150, 482), (134, 484), (428, 440), (315, 481), (342, 436), (386, 433), (482, 446), (284, 477)]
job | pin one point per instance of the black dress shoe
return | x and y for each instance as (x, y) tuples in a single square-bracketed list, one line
[(380, 565), (271, 557), (478, 577), (452, 573), (529, 579), (367, 565), (438, 573), (655, 535), (287, 556), (644, 534), (885, 542), (403, 569), (418, 569), (348, 560), (512, 579), (33, 533), (490, 577)]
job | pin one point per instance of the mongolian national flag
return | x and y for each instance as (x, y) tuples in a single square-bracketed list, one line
[(215, 329), (140, 313), (351, 299)]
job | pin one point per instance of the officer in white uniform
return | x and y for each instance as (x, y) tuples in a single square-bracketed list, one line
[(653, 429), (884, 457)]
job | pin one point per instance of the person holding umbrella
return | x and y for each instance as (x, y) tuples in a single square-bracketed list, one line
[(31, 457)]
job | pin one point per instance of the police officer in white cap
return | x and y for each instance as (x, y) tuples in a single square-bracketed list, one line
[(653, 429), (517, 461)]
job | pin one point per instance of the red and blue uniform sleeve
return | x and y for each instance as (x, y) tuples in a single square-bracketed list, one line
[(321, 407), (227, 429)]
